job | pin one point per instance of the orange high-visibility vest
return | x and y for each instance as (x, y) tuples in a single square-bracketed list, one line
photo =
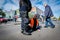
[(32, 22)]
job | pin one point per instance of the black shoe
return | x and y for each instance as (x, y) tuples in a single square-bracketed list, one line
[(26, 33), (53, 26), (29, 34)]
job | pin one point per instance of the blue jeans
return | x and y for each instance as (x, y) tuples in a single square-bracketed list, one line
[(48, 21)]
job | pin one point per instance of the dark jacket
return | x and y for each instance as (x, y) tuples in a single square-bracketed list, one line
[(28, 3), (48, 12), (26, 8)]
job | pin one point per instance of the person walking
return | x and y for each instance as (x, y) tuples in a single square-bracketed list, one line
[(25, 7), (48, 14)]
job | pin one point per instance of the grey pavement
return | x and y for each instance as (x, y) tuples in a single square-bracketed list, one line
[(12, 31)]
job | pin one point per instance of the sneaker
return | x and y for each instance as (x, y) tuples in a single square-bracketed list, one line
[(26, 33), (53, 26)]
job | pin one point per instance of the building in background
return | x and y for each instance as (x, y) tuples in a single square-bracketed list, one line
[(9, 14)]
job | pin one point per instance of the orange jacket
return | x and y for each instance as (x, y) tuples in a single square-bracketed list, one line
[(32, 22)]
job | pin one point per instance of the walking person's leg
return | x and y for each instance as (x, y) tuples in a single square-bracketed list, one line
[(23, 15), (26, 27), (15, 19), (46, 23), (22, 25), (51, 24)]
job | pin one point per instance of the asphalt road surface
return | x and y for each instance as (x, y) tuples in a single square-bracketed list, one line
[(12, 31)]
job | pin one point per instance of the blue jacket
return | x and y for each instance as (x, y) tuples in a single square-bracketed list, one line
[(48, 11)]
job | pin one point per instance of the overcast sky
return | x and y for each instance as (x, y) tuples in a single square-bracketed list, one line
[(14, 4)]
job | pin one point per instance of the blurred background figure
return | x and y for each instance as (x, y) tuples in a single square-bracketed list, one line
[(15, 16)]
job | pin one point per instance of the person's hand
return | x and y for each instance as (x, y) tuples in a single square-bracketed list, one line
[(29, 24)]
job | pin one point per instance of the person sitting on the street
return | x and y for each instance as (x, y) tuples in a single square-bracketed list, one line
[(33, 24)]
